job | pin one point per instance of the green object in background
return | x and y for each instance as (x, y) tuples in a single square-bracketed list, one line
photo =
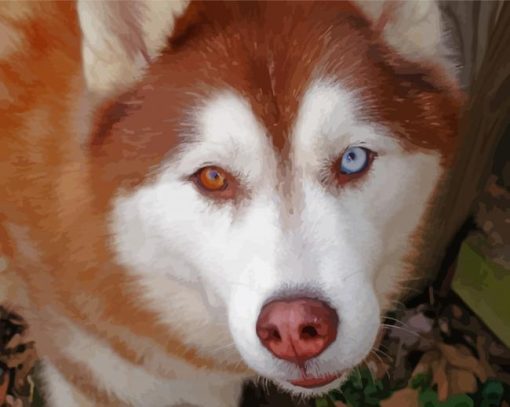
[(484, 286), (358, 391)]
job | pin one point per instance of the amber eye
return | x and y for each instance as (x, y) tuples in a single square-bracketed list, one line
[(212, 179)]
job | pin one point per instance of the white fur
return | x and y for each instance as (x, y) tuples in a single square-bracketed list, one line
[(289, 231), (58, 391), (162, 380), (133, 385), (416, 30), (113, 47), (227, 134)]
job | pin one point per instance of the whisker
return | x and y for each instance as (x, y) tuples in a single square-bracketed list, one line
[(374, 352), (264, 384), (396, 304), (381, 345), (369, 371), (379, 351), (402, 329), (224, 347), (359, 373), (398, 321)]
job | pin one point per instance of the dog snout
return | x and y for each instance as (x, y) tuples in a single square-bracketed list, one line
[(297, 330)]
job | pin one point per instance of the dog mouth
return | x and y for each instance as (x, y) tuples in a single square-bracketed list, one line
[(315, 382), (311, 382)]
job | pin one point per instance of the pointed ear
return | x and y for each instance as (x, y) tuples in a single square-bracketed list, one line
[(120, 38), (413, 28)]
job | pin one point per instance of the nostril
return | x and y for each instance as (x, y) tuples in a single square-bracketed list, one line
[(308, 332), (275, 334), (270, 333), (297, 329)]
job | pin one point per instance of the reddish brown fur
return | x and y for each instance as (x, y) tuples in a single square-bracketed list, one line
[(223, 45), (267, 52)]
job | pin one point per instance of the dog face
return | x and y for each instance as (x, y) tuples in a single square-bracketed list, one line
[(255, 198), (267, 184), (278, 228)]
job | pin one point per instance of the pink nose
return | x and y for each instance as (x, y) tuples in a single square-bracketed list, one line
[(297, 330)]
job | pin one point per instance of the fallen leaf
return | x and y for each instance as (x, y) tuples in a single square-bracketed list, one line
[(13, 357), (377, 366), (425, 363), (14, 341), (4, 384), (461, 381), (420, 324), (444, 327), (441, 379), (23, 369), (402, 398), (13, 402), (457, 312), (457, 358), (481, 347)]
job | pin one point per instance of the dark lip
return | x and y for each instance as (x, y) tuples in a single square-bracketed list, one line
[(314, 382)]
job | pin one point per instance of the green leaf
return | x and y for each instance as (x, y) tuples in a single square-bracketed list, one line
[(460, 400), (371, 393), (492, 393), (428, 398), (353, 397), (324, 402), (356, 380), (366, 376), (336, 395), (421, 381)]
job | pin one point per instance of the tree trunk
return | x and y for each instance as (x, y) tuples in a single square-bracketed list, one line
[(483, 33)]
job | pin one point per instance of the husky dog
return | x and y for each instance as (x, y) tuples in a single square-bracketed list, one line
[(194, 194)]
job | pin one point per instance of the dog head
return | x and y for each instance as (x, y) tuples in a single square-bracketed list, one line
[(289, 153), (261, 181)]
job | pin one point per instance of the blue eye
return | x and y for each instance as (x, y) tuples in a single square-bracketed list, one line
[(354, 160)]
